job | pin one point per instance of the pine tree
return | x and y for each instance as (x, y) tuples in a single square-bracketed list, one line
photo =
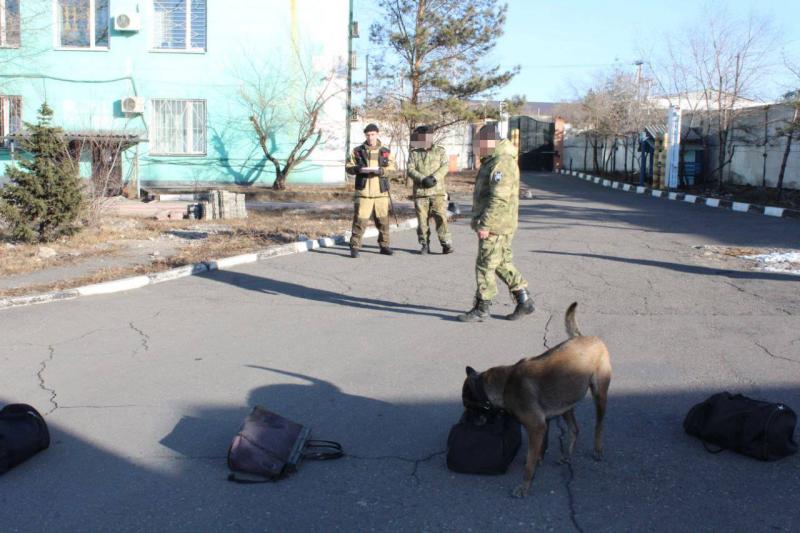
[(43, 199)]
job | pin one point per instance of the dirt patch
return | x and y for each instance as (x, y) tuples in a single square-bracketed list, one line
[(191, 241), (779, 260)]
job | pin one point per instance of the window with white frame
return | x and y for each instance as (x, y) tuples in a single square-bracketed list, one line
[(9, 23), (179, 25), (83, 23), (10, 115), (178, 127)]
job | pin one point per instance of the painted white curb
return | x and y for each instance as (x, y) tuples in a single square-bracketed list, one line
[(137, 282)]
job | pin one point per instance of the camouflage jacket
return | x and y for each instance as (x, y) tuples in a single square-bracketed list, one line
[(423, 163), (495, 199)]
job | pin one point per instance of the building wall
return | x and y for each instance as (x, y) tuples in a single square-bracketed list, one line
[(84, 87)]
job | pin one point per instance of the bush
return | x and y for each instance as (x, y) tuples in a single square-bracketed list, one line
[(43, 199)]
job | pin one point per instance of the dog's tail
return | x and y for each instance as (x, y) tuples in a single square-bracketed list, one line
[(569, 321)]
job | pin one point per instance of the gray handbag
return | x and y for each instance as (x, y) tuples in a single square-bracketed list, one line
[(270, 447)]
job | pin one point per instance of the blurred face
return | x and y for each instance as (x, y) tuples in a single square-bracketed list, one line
[(372, 138), (421, 140), (486, 147)]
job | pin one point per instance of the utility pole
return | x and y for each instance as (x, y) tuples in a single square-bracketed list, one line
[(349, 105)]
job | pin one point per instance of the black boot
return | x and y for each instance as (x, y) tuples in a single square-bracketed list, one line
[(524, 304), (423, 249), (478, 312), (385, 250), (354, 253), (447, 248)]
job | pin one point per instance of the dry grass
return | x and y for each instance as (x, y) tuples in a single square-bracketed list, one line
[(224, 238), (95, 241)]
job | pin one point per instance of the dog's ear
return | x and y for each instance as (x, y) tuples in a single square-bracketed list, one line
[(471, 371)]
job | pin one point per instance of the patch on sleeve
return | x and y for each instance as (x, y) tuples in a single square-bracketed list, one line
[(497, 176)]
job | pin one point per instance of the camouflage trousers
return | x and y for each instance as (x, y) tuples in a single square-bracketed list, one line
[(435, 207), (494, 258), (365, 209)]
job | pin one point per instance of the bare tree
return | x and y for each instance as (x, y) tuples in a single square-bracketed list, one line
[(791, 128), (286, 105), (711, 68)]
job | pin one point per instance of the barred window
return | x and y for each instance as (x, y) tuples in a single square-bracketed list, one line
[(10, 115), (179, 25), (9, 23), (83, 23), (178, 127)]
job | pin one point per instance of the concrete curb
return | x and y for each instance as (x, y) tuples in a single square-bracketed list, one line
[(741, 207), (224, 263)]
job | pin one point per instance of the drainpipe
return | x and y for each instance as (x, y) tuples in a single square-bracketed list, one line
[(349, 83)]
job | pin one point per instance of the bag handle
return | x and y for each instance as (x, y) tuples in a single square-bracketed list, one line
[(322, 450), (709, 450)]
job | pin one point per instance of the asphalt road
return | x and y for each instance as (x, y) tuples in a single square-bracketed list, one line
[(144, 390)]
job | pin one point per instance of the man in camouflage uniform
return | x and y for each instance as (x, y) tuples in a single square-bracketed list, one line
[(369, 162), (427, 167), (495, 206)]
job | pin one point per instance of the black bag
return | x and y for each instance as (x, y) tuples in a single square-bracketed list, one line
[(483, 442), (23, 434), (271, 446), (756, 428)]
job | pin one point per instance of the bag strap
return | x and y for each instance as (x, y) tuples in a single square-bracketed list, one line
[(322, 450), (709, 450), (243, 481)]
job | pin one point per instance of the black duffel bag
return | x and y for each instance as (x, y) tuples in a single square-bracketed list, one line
[(23, 434), (483, 442), (760, 429)]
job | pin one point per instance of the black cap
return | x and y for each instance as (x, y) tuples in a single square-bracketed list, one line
[(371, 127), (489, 132)]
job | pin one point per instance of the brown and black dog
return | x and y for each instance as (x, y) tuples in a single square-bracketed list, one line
[(551, 384)]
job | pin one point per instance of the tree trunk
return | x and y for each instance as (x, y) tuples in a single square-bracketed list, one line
[(594, 155), (786, 152), (585, 152), (280, 181), (625, 159)]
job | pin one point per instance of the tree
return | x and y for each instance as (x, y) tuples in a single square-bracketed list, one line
[(286, 106), (438, 47), (712, 67), (791, 129), (43, 199)]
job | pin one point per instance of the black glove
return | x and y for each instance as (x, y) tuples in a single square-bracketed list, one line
[(428, 182), (358, 169)]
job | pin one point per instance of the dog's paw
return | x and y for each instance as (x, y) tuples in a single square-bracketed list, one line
[(598, 455), (520, 491)]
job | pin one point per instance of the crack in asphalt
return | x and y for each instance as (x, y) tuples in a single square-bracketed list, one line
[(546, 330), (568, 484), (777, 356), (416, 462), (42, 385), (754, 295), (145, 338)]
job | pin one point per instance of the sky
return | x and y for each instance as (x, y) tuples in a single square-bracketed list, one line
[(561, 45)]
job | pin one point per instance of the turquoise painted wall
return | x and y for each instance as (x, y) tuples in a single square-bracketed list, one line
[(245, 38)]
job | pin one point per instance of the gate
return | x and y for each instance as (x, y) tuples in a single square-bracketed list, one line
[(536, 148)]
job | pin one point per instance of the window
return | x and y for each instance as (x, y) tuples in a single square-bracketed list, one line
[(10, 115), (179, 127), (9, 23), (83, 23), (179, 25)]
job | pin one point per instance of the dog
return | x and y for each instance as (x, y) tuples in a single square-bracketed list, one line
[(549, 385)]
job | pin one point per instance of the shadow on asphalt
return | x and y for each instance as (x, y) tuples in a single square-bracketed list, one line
[(678, 267), (275, 287), (559, 199), (653, 475)]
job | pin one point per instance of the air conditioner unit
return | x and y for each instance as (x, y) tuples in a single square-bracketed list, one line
[(133, 104), (127, 22)]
